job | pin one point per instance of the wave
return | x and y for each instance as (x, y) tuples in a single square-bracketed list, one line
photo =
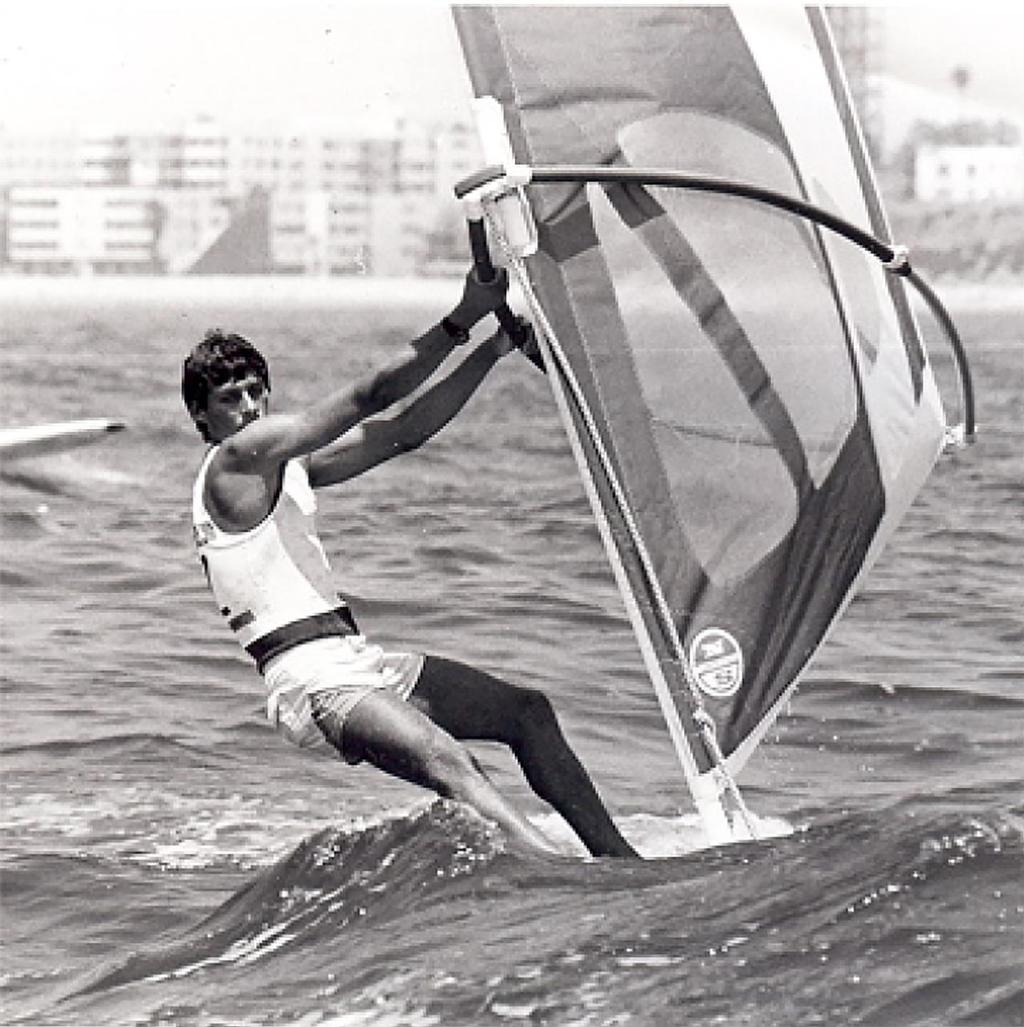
[(854, 694), (361, 877), (122, 745), (67, 475), (8, 577), (858, 916), (334, 879), (35, 480), (987, 999)]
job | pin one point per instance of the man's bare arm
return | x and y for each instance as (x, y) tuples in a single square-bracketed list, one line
[(271, 441), (382, 438)]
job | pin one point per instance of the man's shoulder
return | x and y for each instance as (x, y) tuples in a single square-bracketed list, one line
[(232, 457), (238, 498)]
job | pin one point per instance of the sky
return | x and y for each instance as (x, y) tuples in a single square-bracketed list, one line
[(152, 63), (147, 61)]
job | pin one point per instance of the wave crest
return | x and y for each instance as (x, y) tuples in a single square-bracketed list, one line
[(332, 880)]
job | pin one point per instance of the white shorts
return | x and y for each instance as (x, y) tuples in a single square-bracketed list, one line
[(348, 667)]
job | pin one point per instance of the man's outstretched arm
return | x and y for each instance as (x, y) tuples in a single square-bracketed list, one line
[(270, 441), (381, 438)]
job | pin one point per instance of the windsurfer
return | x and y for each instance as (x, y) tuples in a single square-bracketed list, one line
[(253, 508)]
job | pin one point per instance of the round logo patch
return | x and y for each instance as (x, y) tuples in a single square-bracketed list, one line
[(717, 662)]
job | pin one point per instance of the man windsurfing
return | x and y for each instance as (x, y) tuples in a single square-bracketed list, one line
[(253, 517)]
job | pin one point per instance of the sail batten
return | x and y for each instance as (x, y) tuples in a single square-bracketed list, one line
[(747, 397)]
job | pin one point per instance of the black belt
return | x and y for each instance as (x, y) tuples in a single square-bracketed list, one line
[(321, 625)]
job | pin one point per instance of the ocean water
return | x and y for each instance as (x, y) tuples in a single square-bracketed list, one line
[(167, 860)]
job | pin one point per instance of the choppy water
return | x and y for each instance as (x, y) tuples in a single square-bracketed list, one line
[(167, 860)]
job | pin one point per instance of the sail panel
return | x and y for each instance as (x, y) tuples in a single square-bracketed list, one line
[(759, 385)]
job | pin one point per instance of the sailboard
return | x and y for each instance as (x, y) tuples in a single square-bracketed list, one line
[(55, 437), (747, 394)]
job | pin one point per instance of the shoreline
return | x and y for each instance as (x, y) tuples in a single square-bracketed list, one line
[(248, 290), (273, 290), (974, 296)]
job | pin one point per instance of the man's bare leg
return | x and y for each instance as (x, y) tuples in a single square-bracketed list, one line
[(397, 738), (471, 704)]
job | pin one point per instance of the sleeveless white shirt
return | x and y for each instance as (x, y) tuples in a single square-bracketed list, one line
[(274, 574)]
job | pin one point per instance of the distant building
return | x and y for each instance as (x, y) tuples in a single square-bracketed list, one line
[(195, 158), (356, 199), (335, 197), (398, 231), (963, 174), (457, 155), (205, 150), (68, 230), (31, 159)]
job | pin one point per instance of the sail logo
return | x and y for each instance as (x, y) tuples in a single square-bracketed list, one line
[(717, 663)]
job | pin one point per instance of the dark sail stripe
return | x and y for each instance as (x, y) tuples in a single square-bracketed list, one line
[(609, 377)]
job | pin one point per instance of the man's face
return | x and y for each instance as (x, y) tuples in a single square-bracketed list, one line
[(233, 405)]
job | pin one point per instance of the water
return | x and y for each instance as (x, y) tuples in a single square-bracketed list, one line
[(167, 860)]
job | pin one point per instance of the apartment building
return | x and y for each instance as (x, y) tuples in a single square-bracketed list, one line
[(29, 159), (344, 198), (68, 230)]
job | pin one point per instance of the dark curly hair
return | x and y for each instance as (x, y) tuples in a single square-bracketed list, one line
[(217, 360)]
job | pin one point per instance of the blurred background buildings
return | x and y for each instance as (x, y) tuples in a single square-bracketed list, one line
[(346, 197), (313, 198)]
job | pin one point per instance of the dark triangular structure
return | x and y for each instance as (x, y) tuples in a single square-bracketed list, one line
[(243, 248)]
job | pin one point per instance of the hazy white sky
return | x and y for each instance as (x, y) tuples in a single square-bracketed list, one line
[(141, 63), (153, 60)]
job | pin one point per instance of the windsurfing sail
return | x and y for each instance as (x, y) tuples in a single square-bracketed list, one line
[(747, 395), (55, 437)]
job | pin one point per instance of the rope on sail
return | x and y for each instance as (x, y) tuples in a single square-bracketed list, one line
[(701, 717)]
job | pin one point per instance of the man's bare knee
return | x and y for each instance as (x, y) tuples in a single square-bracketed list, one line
[(449, 770)]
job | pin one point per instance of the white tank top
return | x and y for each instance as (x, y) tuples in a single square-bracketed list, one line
[(273, 575)]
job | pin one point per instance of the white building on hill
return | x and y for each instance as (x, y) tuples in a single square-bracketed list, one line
[(963, 174)]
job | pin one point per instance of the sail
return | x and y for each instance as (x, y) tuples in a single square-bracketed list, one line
[(761, 409)]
